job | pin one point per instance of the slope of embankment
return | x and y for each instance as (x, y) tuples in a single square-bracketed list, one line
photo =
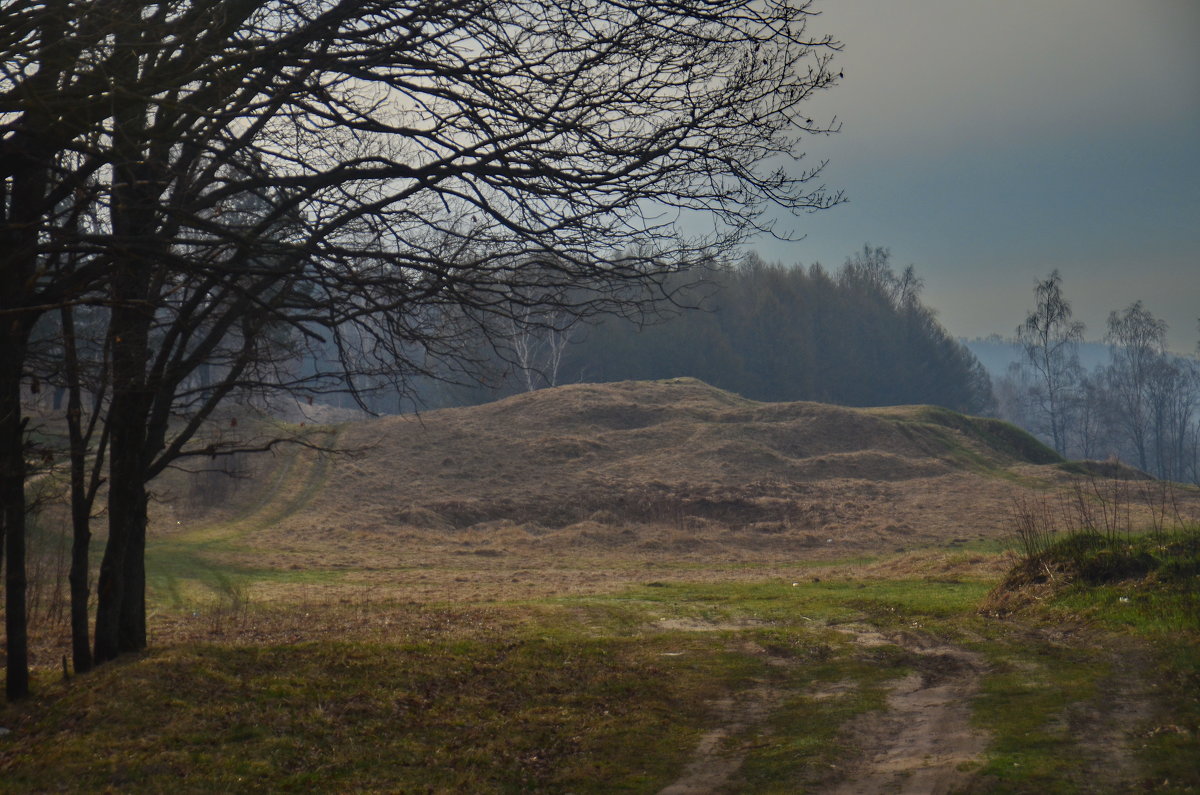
[(673, 467)]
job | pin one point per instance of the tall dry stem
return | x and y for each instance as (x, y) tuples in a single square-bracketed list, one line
[(1036, 528)]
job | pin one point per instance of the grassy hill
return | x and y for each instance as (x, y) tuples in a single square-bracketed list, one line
[(675, 465)]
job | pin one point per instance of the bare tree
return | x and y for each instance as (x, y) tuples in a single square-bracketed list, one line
[(85, 477), (535, 332), (537, 341), (1173, 394), (1051, 339), (271, 175), (1089, 426), (1138, 341)]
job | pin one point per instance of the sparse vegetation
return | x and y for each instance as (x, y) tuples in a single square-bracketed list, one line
[(1132, 597)]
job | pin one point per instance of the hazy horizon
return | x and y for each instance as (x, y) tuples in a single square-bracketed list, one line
[(989, 144)]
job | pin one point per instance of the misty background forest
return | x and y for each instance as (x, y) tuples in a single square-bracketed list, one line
[(858, 336)]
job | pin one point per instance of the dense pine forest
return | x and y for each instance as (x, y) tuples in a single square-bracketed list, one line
[(859, 336)]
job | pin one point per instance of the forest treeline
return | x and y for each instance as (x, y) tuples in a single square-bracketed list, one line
[(859, 336), (1141, 405)]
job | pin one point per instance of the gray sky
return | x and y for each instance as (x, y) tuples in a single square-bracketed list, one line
[(991, 142)]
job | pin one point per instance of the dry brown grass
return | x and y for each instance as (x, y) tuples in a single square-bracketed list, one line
[(642, 452), (588, 489), (586, 485)]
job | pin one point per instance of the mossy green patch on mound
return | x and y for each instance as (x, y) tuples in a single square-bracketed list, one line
[(1133, 601), (991, 437), (1108, 470), (1089, 570)]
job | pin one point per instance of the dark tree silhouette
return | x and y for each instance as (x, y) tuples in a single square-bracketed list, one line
[(262, 176), (858, 337)]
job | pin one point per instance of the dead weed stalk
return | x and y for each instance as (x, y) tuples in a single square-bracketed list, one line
[(1113, 509)]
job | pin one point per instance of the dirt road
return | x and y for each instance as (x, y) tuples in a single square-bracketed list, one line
[(923, 742)]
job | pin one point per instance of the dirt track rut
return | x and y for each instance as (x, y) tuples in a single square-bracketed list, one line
[(924, 741), (713, 763)]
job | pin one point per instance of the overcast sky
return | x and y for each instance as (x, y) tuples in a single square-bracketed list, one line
[(990, 142)]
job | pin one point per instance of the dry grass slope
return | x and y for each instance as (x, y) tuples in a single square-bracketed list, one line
[(587, 488), (669, 469)]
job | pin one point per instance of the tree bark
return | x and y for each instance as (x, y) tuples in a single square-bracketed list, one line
[(120, 614), (120, 604), (81, 535), (12, 507), (18, 261)]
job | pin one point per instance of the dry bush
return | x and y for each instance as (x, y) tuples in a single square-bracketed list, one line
[(1099, 531)]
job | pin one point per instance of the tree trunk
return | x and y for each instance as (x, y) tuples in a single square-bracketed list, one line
[(18, 266), (81, 534), (122, 570), (81, 653), (120, 604), (132, 625), (12, 508), (111, 588)]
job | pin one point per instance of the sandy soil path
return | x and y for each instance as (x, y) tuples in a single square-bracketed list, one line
[(923, 742), (715, 760)]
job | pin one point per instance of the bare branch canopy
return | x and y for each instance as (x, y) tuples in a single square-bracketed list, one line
[(286, 195)]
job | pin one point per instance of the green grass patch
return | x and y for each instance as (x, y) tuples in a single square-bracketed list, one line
[(1135, 598), (509, 713), (1023, 705), (887, 601), (182, 574)]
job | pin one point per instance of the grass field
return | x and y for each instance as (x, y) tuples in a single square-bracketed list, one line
[(752, 684), (299, 643)]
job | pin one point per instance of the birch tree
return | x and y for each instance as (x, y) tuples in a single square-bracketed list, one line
[(1051, 340)]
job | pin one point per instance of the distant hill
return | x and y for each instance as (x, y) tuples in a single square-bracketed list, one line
[(672, 466)]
